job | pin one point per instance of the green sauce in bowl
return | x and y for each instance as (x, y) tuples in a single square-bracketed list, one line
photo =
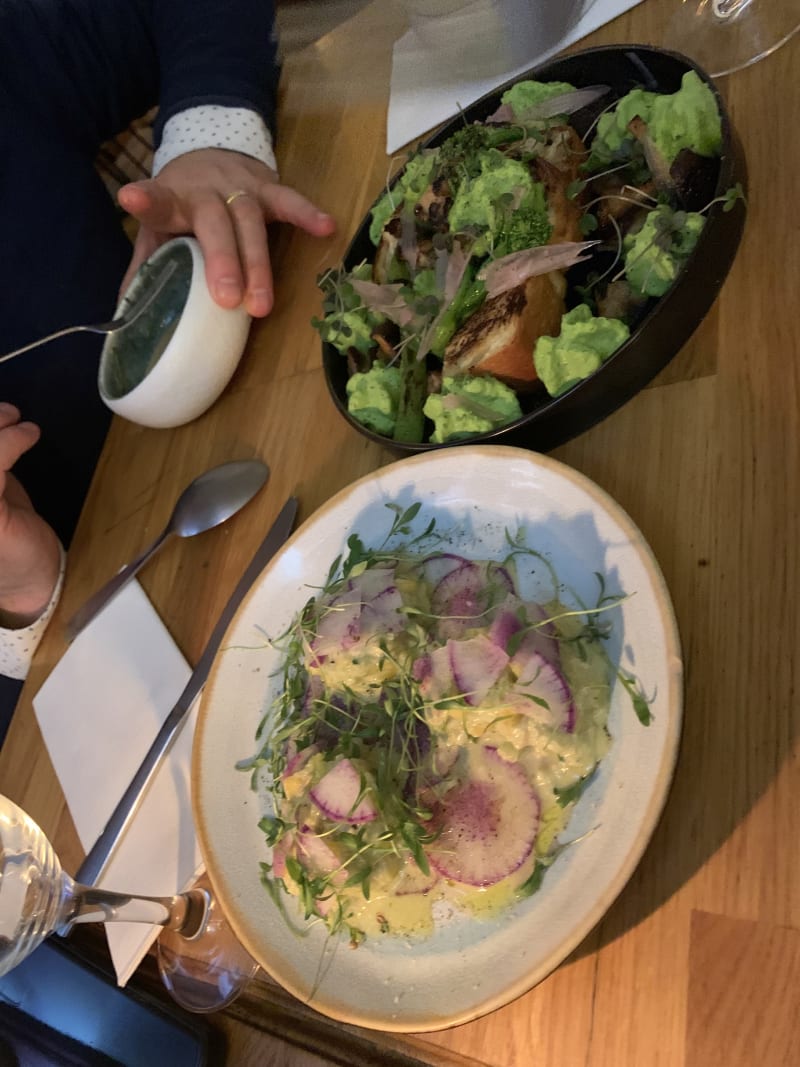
[(133, 352)]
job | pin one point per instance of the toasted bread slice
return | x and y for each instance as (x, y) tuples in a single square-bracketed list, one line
[(499, 338), (557, 168)]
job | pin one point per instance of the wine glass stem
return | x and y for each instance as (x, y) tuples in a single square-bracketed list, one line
[(184, 913)]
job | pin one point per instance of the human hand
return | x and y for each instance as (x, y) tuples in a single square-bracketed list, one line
[(189, 196), (30, 555)]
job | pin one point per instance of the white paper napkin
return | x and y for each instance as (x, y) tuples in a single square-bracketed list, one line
[(99, 711), (439, 68)]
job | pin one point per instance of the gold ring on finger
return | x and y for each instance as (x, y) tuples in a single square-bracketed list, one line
[(234, 196)]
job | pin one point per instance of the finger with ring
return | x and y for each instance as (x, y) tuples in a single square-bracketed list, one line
[(234, 196)]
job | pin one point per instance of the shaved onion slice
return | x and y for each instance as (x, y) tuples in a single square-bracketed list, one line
[(385, 299), (565, 103), (516, 268)]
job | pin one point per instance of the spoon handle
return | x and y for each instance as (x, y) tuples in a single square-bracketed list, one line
[(98, 600)]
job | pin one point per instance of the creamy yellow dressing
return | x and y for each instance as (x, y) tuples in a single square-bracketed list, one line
[(552, 759)]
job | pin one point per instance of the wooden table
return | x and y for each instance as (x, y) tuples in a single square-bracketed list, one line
[(698, 961)]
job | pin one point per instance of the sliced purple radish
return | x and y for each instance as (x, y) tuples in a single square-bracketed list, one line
[(465, 594), (314, 691), (487, 825), (505, 624), (336, 795), (279, 853), (421, 669), (339, 627), (542, 635), (541, 691), (460, 599), (437, 566), (384, 613), (317, 856), (436, 679), (298, 760), (372, 582), (477, 663)]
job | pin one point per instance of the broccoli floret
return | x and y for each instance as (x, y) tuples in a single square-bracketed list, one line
[(485, 206), (525, 227), (460, 155)]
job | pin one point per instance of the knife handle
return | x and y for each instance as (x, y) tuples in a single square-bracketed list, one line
[(97, 859)]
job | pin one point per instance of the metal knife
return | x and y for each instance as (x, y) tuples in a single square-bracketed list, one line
[(99, 855)]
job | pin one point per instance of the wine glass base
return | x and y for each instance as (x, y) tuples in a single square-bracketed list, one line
[(207, 972), (723, 36)]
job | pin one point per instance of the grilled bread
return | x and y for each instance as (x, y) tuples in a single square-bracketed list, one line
[(499, 338)]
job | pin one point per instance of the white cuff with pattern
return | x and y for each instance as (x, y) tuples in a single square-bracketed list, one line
[(215, 126), (18, 646)]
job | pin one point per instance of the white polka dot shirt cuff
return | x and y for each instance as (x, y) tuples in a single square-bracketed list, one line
[(18, 646), (214, 126)]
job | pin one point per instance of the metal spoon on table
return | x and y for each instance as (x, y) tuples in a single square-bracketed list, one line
[(209, 500)]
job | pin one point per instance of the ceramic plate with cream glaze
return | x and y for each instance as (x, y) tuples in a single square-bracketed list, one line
[(468, 966)]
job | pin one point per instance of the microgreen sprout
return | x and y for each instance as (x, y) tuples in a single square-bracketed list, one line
[(374, 714)]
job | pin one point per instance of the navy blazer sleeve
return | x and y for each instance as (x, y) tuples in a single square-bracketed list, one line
[(86, 69), (216, 52)]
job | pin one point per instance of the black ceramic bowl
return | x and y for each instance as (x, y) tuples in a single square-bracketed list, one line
[(667, 322)]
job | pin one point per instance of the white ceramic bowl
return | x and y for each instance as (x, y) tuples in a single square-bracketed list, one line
[(467, 967), (173, 362)]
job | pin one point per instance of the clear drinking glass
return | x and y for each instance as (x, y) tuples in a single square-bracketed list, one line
[(724, 36), (204, 967)]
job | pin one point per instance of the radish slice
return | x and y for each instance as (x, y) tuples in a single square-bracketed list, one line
[(539, 639), (370, 605), (279, 854), (299, 760), (435, 674), (506, 623), (487, 825), (336, 793), (421, 669), (317, 856), (314, 691), (435, 567), (339, 627), (372, 582), (477, 663), (384, 613), (463, 596), (541, 691)]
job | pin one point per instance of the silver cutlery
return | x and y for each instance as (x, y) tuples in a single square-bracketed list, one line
[(209, 500), (129, 315), (97, 859)]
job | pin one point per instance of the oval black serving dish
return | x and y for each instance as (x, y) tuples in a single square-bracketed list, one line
[(667, 322)]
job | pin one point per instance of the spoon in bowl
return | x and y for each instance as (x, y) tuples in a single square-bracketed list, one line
[(209, 500), (127, 317)]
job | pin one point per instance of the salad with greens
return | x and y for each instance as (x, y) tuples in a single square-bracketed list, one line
[(511, 261), (432, 734)]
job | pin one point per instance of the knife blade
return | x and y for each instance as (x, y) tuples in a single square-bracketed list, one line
[(97, 859)]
